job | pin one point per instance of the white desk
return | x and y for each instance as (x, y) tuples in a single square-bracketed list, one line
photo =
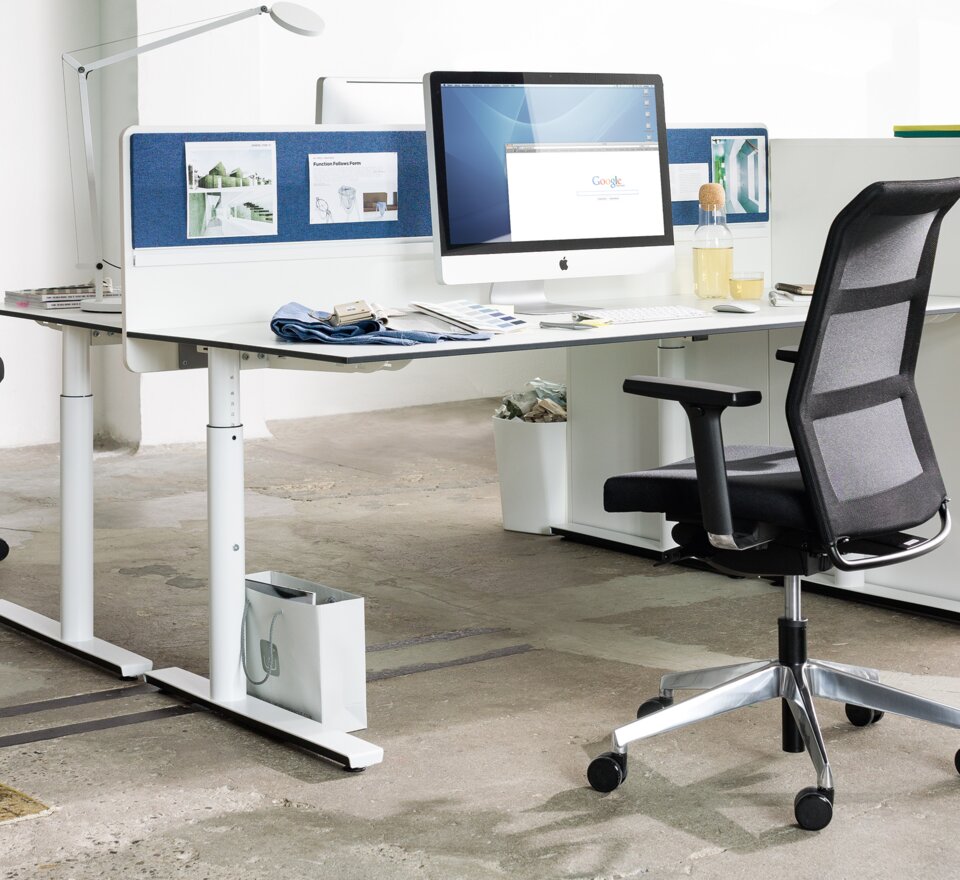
[(257, 337), (234, 347)]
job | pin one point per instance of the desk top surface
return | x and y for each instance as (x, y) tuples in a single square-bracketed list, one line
[(257, 336), (67, 317)]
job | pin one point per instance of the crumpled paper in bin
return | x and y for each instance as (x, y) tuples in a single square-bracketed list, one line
[(543, 402)]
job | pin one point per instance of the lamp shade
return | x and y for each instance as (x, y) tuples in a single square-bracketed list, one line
[(297, 18)]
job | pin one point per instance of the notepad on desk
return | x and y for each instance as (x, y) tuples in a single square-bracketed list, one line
[(779, 298)]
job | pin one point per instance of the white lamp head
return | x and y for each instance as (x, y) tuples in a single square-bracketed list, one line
[(297, 18)]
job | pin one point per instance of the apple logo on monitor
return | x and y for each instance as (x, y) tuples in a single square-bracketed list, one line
[(563, 264)]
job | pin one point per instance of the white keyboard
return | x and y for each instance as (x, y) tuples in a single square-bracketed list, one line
[(640, 314)]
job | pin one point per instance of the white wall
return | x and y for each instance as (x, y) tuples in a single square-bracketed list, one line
[(37, 244), (116, 391), (806, 69)]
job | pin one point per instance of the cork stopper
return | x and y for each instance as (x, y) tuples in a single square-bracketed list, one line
[(711, 196)]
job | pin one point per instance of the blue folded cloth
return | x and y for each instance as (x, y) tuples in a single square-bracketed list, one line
[(300, 324)]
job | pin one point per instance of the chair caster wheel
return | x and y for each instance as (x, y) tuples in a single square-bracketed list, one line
[(861, 716), (956, 761), (654, 705), (813, 808), (607, 771)]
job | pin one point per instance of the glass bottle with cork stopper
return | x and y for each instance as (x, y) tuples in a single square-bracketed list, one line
[(712, 245)]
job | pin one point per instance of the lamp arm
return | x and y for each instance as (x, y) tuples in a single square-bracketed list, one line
[(90, 160), (85, 69)]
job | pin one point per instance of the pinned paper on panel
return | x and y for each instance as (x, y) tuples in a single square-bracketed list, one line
[(740, 165), (231, 188), (353, 187)]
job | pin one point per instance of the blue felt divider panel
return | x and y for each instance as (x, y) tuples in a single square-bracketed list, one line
[(689, 145), (159, 196), (158, 193)]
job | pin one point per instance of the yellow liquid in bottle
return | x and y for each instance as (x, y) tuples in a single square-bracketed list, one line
[(712, 268)]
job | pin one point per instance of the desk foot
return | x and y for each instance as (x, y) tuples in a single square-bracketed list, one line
[(334, 745), (124, 663), (610, 540)]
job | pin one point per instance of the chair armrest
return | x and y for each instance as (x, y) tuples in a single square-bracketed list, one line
[(686, 391), (788, 354), (704, 403)]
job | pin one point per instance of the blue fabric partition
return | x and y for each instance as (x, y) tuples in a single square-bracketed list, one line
[(693, 145), (158, 183), (158, 191)]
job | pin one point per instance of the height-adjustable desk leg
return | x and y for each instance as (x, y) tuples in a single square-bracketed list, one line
[(671, 363), (225, 692), (225, 522), (74, 631)]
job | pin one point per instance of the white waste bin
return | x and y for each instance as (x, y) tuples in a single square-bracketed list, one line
[(532, 461)]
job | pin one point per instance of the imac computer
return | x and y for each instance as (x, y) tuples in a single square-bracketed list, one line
[(536, 176)]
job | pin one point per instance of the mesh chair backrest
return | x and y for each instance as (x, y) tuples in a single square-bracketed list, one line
[(852, 407)]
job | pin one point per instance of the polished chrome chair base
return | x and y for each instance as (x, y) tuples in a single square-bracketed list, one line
[(793, 678)]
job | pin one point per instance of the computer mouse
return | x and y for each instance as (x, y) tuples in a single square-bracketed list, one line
[(738, 306)]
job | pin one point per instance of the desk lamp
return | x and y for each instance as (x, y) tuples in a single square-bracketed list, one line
[(291, 16)]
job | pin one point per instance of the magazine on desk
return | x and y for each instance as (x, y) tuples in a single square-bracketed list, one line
[(475, 317), (54, 304), (66, 297)]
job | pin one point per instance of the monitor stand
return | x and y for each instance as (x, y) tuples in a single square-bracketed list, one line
[(527, 298)]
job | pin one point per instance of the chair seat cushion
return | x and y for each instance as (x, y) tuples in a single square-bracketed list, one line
[(764, 485)]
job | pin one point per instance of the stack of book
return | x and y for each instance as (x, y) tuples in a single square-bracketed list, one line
[(67, 297), (785, 294)]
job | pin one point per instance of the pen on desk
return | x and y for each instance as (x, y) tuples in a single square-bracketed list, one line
[(587, 324)]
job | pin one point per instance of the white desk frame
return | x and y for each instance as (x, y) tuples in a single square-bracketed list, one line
[(74, 631), (230, 346)]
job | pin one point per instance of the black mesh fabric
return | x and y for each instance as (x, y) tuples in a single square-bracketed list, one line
[(854, 415), (862, 463)]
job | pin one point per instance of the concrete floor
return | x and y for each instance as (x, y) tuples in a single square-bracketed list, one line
[(484, 774)]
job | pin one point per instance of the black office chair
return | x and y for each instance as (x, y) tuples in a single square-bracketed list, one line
[(861, 471)]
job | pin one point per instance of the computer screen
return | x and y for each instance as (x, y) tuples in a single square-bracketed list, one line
[(539, 175)]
